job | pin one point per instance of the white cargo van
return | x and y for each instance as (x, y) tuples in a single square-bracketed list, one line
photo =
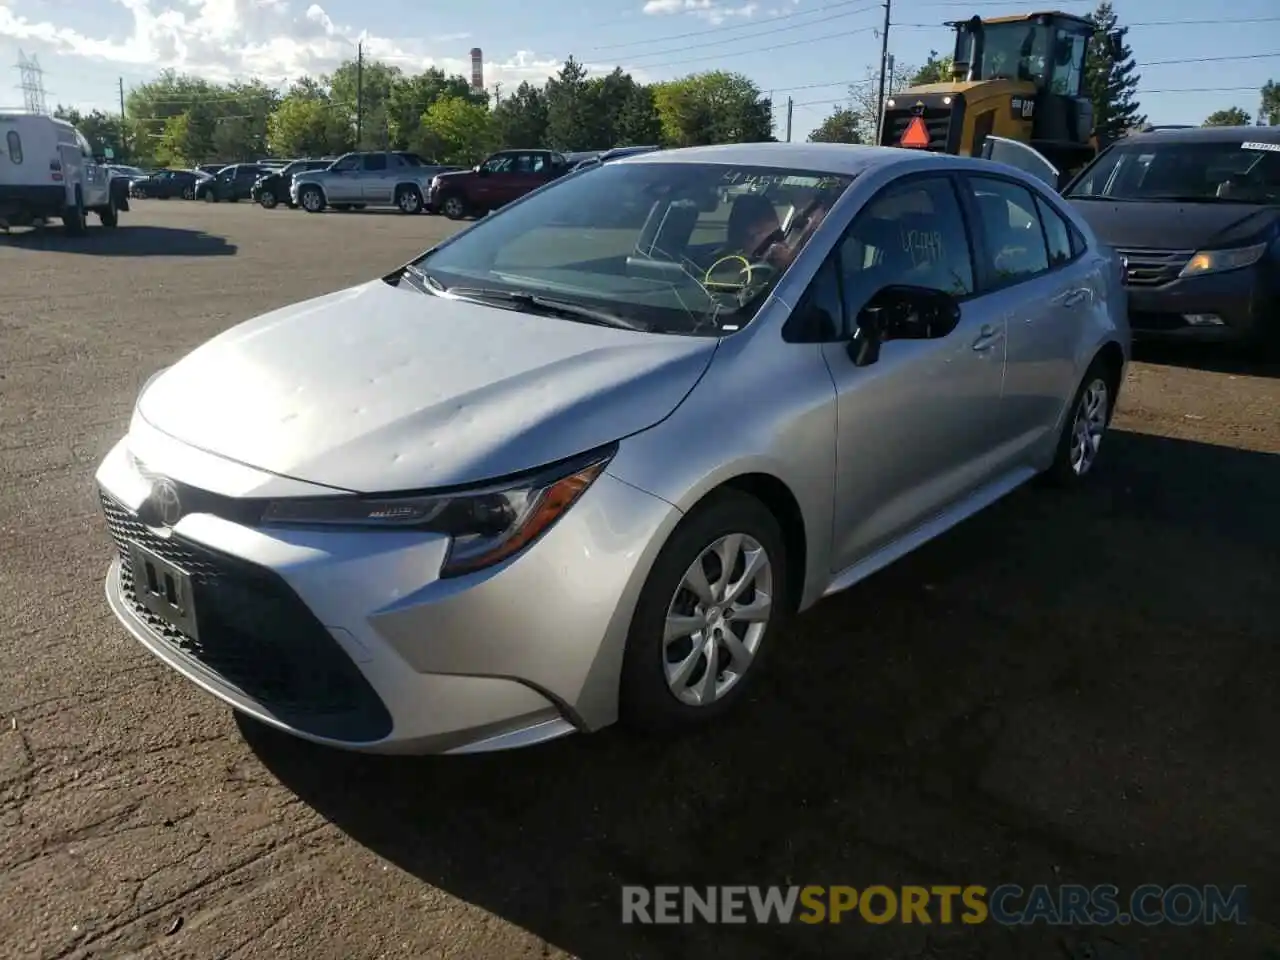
[(49, 171)]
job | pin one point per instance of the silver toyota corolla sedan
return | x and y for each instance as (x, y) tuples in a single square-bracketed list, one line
[(579, 462)]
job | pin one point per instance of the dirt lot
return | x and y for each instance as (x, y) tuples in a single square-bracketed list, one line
[(1066, 689)]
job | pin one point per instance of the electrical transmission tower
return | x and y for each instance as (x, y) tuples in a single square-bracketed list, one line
[(32, 83)]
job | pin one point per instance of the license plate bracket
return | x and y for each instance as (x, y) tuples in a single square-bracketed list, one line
[(164, 589)]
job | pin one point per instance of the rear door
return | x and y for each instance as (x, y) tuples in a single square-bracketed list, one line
[(1027, 265)]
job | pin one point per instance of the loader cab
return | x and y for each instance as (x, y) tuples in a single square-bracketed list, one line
[(1037, 61)]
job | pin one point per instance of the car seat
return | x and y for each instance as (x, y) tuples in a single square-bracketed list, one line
[(747, 211)]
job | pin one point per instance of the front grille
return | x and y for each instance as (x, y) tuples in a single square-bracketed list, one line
[(937, 121), (1151, 268), (255, 634), (1143, 322)]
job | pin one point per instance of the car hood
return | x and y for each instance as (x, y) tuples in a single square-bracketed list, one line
[(379, 388), (1174, 226), (455, 175)]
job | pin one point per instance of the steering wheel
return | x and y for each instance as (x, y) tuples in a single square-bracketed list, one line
[(757, 272)]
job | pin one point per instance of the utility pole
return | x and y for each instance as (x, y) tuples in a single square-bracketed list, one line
[(790, 106), (884, 64), (359, 93), (124, 137), (497, 93)]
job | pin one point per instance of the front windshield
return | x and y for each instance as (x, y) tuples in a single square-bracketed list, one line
[(1013, 51), (1239, 171), (686, 248)]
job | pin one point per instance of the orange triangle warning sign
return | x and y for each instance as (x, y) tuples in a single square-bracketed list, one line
[(916, 134)]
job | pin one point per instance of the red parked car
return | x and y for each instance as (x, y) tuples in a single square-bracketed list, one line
[(507, 175)]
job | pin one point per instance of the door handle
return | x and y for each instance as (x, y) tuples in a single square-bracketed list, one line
[(1075, 298), (987, 338)]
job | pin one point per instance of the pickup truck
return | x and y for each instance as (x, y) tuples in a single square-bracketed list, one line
[(505, 176), (367, 179)]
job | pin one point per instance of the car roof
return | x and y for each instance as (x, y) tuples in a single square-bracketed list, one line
[(833, 158), (1206, 135)]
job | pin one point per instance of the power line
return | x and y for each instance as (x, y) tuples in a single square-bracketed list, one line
[(813, 103), (716, 43), (737, 26), (773, 46), (1136, 23)]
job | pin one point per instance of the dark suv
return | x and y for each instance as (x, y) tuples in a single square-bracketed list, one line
[(232, 183), (272, 188), (503, 177), (1196, 215)]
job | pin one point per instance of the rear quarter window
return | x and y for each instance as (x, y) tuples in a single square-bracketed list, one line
[(14, 142)]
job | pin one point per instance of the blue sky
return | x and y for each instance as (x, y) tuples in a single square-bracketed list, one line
[(808, 50)]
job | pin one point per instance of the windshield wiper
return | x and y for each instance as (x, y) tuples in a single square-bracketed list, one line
[(1186, 198), (534, 302)]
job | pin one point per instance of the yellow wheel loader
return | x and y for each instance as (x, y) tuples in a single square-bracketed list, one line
[(1014, 79)]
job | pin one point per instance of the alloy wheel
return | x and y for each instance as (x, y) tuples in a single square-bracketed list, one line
[(310, 201), (1089, 425), (453, 208), (410, 201), (717, 619)]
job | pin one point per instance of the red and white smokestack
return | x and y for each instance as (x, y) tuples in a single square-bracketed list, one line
[(477, 69)]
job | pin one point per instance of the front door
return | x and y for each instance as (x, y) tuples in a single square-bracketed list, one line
[(920, 428), (343, 183), (375, 182)]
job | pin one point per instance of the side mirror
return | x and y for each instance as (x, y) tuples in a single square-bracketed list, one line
[(902, 313), (480, 170)]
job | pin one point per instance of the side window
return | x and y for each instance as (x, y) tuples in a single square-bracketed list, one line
[(1015, 249), (1056, 233), (347, 163), (14, 143), (499, 163), (911, 233), (819, 316), (375, 162)]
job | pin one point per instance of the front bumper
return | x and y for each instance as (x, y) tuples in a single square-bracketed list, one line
[(1245, 303), (348, 639)]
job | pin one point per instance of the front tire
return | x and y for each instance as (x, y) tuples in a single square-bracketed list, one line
[(311, 199), (714, 601), (188, 193), (268, 199), (209, 197), (453, 207), (409, 200), (1085, 426)]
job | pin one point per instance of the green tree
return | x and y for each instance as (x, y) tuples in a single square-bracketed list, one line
[(935, 70), (1110, 77), (308, 124), (457, 130), (638, 123), (569, 120), (713, 107), (1231, 117), (409, 97), (843, 126), (228, 118), (520, 119), (370, 92), (607, 99), (1270, 108)]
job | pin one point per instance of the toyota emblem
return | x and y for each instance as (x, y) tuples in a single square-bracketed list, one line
[(164, 497)]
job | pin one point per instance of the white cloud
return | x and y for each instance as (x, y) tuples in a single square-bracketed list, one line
[(712, 11), (273, 40)]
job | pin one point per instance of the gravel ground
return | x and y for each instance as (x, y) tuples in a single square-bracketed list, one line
[(1066, 689)]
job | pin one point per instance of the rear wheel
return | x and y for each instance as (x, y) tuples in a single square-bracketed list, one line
[(1085, 425), (73, 217), (209, 197), (188, 193), (109, 215)]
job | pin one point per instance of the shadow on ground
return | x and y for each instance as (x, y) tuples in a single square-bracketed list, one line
[(1212, 358), (1071, 688), (124, 241)]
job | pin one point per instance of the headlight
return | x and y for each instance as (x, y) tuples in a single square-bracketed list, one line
[(1216, 261), (485, 525)]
